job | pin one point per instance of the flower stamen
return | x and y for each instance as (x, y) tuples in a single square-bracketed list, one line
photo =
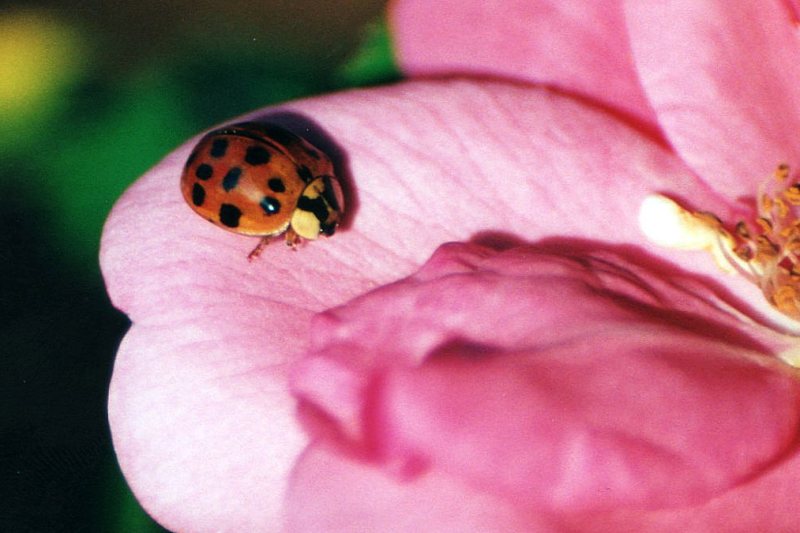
[(766, 252)]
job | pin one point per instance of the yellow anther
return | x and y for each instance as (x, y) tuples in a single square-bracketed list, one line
[(792, 194), (783, 209), (741, 230), (766, 203), (784, 298), (782, 172), (765, 246), (766, 251)]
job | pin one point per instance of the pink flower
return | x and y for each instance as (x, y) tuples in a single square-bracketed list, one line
[(548, 370)]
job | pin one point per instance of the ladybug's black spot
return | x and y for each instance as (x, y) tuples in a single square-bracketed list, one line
[(270, 205), (256, 155), (229, 215), (204, 172), (231, 179), (276, 185), (305, 173), (218, 148), (313, 154), (198, 194), (316, 206)]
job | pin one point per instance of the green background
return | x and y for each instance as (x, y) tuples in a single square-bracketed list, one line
[(92, 94)]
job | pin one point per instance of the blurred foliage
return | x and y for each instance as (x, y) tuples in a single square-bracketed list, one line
[(92, 94), (41, 58), (373, 61)]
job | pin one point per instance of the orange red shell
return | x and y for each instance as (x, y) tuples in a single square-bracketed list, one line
[(262, 180)]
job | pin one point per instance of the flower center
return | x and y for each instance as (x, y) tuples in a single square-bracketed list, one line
[(765, 251)]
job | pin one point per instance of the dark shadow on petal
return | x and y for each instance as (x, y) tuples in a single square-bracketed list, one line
[(615, 258), (497, 240), (306, 128), (462, 348), (594, 254)]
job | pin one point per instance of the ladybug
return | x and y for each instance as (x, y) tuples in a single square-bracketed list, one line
[(263, 180)]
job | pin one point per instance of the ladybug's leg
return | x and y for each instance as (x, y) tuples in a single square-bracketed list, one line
[(292, 238), (259, 247)]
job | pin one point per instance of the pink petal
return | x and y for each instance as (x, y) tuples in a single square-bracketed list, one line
[(578, 46), (765, 503), (723, 83), (557, 384), (203, 427), (199, 407), (352, 496), (570, 429)]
